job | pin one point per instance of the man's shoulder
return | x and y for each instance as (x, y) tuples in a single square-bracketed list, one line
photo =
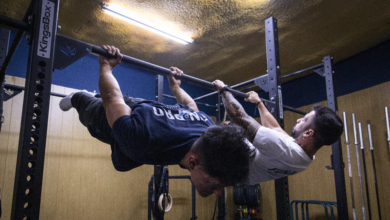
[(268, 133)]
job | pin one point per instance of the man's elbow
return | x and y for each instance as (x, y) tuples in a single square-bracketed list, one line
[(110, 99)]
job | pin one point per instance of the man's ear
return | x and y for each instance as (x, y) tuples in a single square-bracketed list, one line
[(308, 133), (194, 161)]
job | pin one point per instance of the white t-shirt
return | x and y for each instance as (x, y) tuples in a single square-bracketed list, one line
[(277, 155)]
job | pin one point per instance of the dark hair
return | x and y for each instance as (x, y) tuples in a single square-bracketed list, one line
[(224, 153), (327, 126)]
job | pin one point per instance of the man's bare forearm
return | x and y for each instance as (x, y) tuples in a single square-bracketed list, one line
[(182, 96), (237, 113), (267, 119), (108, 86)]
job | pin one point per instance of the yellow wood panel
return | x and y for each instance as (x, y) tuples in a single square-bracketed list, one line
[(4, 135), (51, 166), (6, 181), (12, 146)]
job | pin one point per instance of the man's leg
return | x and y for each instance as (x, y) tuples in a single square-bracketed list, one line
[(92, 115)]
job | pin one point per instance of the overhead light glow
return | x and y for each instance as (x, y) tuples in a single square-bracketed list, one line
[(133, 18)]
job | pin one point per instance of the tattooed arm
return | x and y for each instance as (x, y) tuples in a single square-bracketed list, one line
[(237, 113)]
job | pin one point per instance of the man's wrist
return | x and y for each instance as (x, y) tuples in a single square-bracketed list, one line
[(174, 87), (106, 67), (223, 89)]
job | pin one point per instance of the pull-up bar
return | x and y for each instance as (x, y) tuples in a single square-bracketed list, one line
[(162, 70)]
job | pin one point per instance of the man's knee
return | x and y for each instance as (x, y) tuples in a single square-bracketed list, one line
[(80, 99), (126, 167)]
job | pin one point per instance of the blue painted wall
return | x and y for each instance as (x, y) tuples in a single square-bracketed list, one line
[(358, 72), (364, 70)]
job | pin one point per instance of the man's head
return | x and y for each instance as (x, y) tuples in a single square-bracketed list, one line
[(322, 124), (221, 159)]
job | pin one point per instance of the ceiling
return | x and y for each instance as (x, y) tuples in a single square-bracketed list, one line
[(229, 41)]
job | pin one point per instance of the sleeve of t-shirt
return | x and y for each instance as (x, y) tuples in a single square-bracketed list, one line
[(271, 143), (129, 131), (121, 130)]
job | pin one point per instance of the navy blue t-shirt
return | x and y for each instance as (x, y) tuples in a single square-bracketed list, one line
[(156, 133)]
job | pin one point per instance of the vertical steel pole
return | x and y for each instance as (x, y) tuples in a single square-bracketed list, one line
[(33, 131), (349, 165), (159, 88), (221, 199), (275, 94), (365, 170), (358, 165), (337, 154), (193, 200), (158, 169), (373, 165)]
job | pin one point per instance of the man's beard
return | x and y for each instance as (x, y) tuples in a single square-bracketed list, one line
[(295, 134)]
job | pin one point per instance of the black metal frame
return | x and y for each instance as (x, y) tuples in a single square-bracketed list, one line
[(221, 199), (164, 183), (155, 190), (16, 88), (275, 94), (158, 169), (261, 78), (33, 131), (337, 155), (305, 206)]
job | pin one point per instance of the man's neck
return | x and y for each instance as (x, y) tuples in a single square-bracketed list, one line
[(309, 149), (184, 162)]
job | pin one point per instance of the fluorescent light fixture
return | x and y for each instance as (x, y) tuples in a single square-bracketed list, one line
[(133, 18)]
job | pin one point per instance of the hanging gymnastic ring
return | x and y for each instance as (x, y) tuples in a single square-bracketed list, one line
[(170, 202)]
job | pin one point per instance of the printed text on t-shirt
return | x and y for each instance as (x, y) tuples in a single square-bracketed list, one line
[(181, 114)]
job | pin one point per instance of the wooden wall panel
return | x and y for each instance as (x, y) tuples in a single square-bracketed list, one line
[(13, 112)]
